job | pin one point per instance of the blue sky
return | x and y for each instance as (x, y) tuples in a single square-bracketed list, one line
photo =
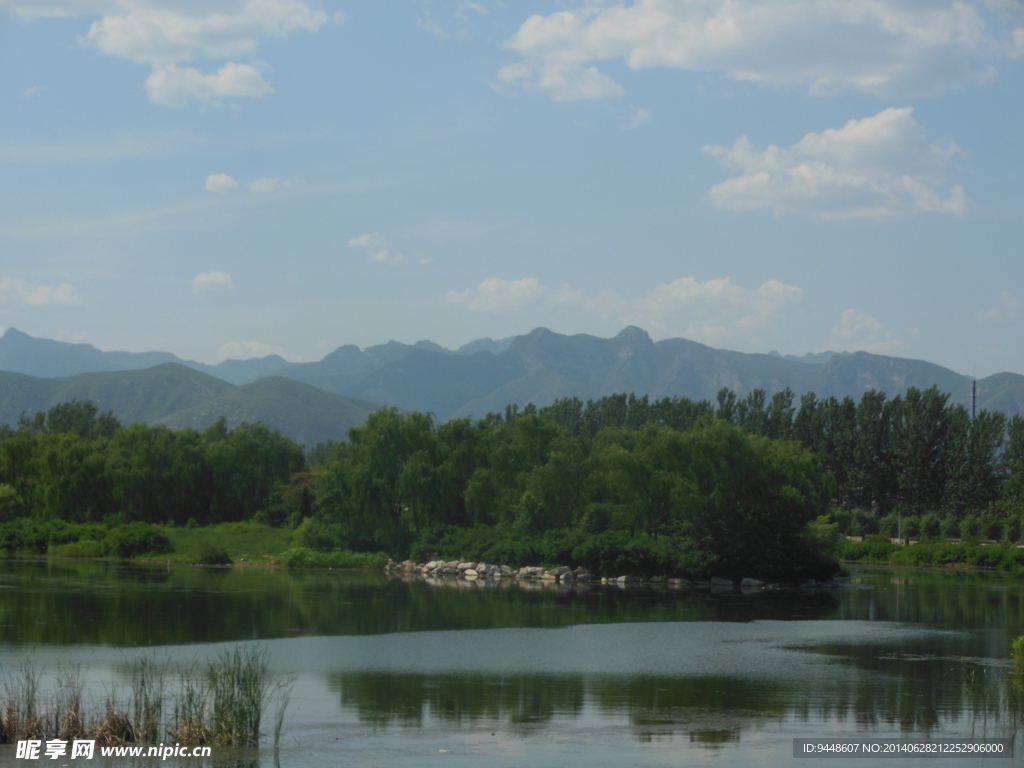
[(230, 178)]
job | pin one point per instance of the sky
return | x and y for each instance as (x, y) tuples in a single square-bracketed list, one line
[(235, 178)]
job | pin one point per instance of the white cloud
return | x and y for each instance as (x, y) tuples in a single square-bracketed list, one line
[(165, 33), (498, 295), (220, 183), (878, 167), (857, 331), (640, 117), (375, 247), (37, 295), (881, 47), (172, 86), (1008, 308), (246, 350), (713, 311), (269, 184), (209, 281)]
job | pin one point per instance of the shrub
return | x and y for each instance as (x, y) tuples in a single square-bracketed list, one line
[(83, 548), (313, 534), (308, 558), (211, 553), (970, 528), (931, 526), (136, 539), (1017, 650)]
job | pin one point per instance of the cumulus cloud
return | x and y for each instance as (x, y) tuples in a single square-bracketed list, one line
[(713, 311), (881, 47), (857, 331), (269, 184), (1008, 308), (246, 350), (211, 281), (375, 247), (166, 33), (36, 295), (173, 86), (220, 183), (640, 117), (878, 167), (498, 295)]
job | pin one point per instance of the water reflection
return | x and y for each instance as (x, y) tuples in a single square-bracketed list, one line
[(710, 710), (389, 671)]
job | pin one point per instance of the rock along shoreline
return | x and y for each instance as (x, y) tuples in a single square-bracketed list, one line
[(469, 572)]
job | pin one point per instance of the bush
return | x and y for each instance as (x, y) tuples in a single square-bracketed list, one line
[(1011, 528), (84, 548), (1017, 650), (308, 558), (313, 534), (889, 525), (211, 553), (970, 528), (136, 539), (931, 526)]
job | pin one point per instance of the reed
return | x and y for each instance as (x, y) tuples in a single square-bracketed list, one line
[(22, 708), (190, 709), (223, 703), (238, 684), (147, 679)]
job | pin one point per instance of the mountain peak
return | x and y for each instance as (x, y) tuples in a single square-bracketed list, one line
[(633, 335)]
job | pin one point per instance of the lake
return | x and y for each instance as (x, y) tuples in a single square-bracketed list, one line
[(387, 672)]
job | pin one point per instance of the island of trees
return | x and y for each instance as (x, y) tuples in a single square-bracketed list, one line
[(751, 486)]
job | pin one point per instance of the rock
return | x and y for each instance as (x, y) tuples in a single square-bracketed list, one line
[(481, 567), (628, 579), (466, 566), (449, 569), (808, 583), (560, 571), (470, 572), (549, 577), (566, 576), (506, 569), (749, 582), (717, 582)]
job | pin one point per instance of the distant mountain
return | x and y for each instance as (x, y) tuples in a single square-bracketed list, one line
[(22, 353), (486, 375), (180, 397)]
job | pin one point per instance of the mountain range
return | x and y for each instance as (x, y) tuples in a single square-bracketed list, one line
[(317, 400)]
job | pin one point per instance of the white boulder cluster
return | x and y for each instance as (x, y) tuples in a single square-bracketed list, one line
[(472, 571)]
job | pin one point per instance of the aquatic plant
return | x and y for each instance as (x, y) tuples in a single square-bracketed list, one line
[(147, 680), (223, 703)]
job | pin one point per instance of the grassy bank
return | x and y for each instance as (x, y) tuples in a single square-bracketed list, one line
[(221, 544), (252, 541), (1001, 557)]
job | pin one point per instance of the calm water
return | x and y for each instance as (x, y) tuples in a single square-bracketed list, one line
[(393, 673)]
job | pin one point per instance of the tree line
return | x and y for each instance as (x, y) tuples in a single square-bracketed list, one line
[(75, 464), (676, 478)]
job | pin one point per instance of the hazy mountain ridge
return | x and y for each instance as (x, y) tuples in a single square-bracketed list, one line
[(181, 397), (540, 367)]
